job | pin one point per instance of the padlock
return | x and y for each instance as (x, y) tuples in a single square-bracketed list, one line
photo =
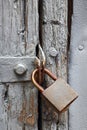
[(59, 94)]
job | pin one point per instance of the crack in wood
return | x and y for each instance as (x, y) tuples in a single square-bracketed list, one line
[(70, 13), (54, 22), (15, 1), (6, 97), (6, 92)]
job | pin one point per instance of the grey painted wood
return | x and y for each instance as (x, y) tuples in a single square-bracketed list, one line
[(8, 65), (78, 66), (54, 40), (11, 24), (31, 26), (20, 96), (18, 37)]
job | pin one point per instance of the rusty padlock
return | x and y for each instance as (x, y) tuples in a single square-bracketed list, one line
[(59, 94)]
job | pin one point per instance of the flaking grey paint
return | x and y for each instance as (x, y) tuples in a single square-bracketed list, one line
[(78, 66)]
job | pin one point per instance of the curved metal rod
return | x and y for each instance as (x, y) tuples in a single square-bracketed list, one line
[(43, 55), (35, 82)]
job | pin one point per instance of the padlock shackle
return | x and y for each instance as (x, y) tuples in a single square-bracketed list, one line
[(36, 83), (50, 74)]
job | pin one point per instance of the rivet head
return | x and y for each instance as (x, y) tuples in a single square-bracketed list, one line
[(53, 52), (81, 47), (20, 69)]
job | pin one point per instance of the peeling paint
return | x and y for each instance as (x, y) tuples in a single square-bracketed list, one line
[(78, 65)]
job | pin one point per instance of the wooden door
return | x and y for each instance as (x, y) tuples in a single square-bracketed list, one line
[(18, 40), (24, 24)]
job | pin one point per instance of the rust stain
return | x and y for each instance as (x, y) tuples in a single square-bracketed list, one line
[(30, 120), (22, 116), (31, 117), (28, 116)]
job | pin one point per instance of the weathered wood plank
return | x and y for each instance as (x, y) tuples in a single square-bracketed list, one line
[(78, 65), (31, 40), (13, 106), (19, 28), (11, 24), (55, 47), (10, 107), (18, 37), (10, 21), (3, 108), (31, 26)]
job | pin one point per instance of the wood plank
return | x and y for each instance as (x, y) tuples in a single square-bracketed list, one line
[(11, 112), (31, 40), (31, 26), (11, 15), (54, 41), (78, 65), (3, 108), (17, 40), (10, 106)]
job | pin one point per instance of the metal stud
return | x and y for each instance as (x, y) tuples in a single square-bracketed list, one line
[(20, 69)]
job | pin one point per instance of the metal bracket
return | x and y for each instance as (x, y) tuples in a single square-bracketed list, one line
[(16, 69)]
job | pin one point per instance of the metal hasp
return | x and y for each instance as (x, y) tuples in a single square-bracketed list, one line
[(59, 94), (16, 69)]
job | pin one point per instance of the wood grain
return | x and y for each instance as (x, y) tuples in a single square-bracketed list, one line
[(18, 37), (54, 29)]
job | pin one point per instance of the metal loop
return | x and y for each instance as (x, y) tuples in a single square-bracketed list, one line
[(41, 62), (36, 83), (37, 61), (43, 55)]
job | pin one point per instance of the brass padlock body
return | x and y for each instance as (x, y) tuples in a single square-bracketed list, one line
[(59, 94)]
